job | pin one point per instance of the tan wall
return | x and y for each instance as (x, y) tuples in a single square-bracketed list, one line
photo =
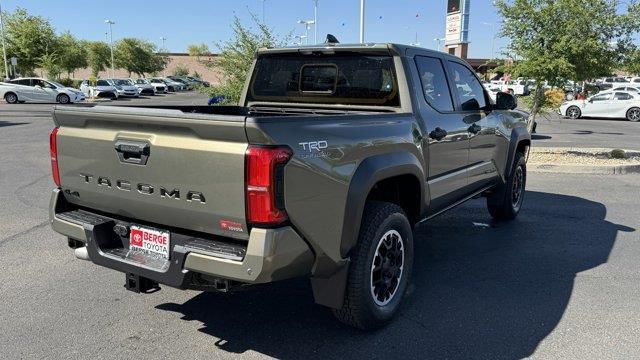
[(191, 63)]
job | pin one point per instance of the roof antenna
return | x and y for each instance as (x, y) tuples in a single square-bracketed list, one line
[(331, 40)]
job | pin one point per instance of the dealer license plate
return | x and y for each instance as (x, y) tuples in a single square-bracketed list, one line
[(151, 241)]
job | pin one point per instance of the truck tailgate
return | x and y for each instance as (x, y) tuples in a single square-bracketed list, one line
[(164, 167)]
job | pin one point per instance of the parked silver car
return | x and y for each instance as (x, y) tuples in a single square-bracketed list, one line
[(38, 90), (124, 87), (144, 86)]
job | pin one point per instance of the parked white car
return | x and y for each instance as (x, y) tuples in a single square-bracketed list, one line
[(614, 104), (38, 90), (124, 87), (160, 86), (144, 87), (102, 89)]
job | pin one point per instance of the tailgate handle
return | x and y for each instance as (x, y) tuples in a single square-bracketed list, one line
[(133, 152)]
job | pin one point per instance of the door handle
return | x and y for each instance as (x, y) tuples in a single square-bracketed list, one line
[(474, 129), (438, 134)]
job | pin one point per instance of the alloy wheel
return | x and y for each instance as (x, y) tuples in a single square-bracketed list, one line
[(517, 188), (387, 268)]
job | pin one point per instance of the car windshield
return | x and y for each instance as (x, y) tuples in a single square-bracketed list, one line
[(342, 78), (102, 83), (122, 82), (141, 81)]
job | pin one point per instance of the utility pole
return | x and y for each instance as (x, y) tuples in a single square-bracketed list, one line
[(263, 10), (4, 49), (163, 40), (111, 41), (493, 37), (315, 21), (361, 21)]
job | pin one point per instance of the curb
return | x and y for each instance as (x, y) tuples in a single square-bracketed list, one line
[(585, 169)]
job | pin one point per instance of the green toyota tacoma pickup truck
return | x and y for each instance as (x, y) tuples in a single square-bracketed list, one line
[(333, 156)]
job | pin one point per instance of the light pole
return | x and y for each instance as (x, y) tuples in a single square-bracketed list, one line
[(315, 21), (111, 41), (299, 37), (307, 24), (263, 10), (438, 41), (163, 40), (4, 49), (361, 21), (493, 37)]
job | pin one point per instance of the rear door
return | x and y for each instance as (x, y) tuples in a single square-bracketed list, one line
[(620, 103), (480, 123), (163, 167), (448, 140)]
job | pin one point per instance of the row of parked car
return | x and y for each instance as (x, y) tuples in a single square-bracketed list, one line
[(42, 90)]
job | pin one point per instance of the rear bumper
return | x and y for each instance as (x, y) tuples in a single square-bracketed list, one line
[(269, 255)]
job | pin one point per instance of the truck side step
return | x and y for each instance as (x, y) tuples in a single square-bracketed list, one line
[(139, 284)]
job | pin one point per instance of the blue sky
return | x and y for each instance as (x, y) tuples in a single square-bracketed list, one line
[(187, 21)]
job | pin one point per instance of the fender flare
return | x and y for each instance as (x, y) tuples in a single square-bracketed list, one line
[(329, 286), (369, 172), (518, 135)]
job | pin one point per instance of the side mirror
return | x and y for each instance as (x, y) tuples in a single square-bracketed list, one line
[(505, 101)]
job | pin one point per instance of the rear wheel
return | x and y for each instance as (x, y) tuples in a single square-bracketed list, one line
[(11, 98), (633, 114), (506, 202), (380, 268), (574, 112), (63, 99)]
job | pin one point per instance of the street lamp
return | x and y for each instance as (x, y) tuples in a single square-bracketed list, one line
[(493, 37), (111, 41), (315, 21), (299, 37), (438, 41), (361, 21), (163, 40), (4, 49), (307, 25)]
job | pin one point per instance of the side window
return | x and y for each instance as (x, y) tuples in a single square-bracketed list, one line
[(468, 89), (434, 83), (622, 96), (601, 97), (26, 82)]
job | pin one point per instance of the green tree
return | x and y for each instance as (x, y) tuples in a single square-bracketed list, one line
[(137, 56), (559, 40), (50, 63), (180, 70), (73, 53), (98, 56), (28, 38), (236, 57)]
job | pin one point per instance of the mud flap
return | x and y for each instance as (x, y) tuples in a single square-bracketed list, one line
[(329, 291)]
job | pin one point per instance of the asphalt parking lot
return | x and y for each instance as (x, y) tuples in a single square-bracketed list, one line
[(562, 281)]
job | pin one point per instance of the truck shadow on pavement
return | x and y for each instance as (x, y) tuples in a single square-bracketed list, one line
[(480, 290)]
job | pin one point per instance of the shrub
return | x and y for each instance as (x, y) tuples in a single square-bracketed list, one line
[(181, 70), (618, 154)]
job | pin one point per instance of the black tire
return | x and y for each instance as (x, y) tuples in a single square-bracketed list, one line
[(505, 203), (11, 98), (574, 112), (633, 114), (63, 99), (383, 225)]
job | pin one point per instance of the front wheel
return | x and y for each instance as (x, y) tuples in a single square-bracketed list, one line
[(633, 114), (574, 112), (63, 99), (506, 202), (380, 268)]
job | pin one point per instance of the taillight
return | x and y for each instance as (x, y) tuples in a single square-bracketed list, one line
[(53, 147), (264, 178)]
